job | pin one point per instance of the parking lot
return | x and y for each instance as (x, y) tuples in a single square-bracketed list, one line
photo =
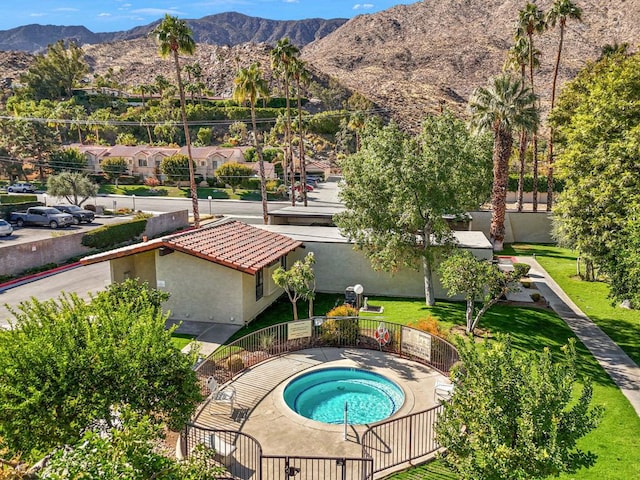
[(29, 234)]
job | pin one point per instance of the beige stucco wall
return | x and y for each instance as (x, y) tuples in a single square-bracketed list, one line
[(200, 290), (141, 266), (520, 227), (338, 266)]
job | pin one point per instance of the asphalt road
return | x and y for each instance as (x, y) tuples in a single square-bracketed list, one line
[(81, 280)]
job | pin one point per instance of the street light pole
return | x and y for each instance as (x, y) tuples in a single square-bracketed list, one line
[(134, 201), (209, 198)]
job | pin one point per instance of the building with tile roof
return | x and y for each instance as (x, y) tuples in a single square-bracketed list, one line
[(221, 273)]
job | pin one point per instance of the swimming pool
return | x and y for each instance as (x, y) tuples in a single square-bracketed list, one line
[(321, 395)]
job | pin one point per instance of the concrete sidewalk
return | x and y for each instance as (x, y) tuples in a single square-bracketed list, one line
[(624, 371), (209, 335)]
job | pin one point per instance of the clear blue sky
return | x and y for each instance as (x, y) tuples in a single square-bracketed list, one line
[(114, 15)]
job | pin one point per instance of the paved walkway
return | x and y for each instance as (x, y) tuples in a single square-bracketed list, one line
[(624, 371)]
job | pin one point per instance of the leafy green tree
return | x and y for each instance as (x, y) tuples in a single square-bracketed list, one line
[(28, 139), (249, 86), (505, 105), (397, 190), (113, 168), (299, 282), (560, 12), (597, 120), (68, 363), (176, 167), (233, 174), (128, 451), (67, 160), (513, 416), (239, 130), (205, 134), (75, 187), (477, 281), (174, 37), (54, 74)]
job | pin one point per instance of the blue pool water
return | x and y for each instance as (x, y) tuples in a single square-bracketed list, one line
[(320, 395)]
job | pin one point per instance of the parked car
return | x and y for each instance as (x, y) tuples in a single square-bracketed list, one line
[(79, 214), (5, 228), (21, 188), (43, 216)]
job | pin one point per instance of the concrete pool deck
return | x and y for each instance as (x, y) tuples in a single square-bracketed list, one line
[(260, 411)]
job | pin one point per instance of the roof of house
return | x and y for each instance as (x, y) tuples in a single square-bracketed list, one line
[(230, 243)]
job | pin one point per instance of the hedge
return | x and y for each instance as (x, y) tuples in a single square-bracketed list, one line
[(111, 235), (10, 199), (7, 209), (558, 185)]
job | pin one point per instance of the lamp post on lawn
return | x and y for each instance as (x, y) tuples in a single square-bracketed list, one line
[(209, 198), (44, 199), (134, 201)]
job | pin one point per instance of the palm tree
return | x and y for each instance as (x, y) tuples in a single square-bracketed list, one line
[(145, 89), (161, 84), (174, 37), (505, 105), (250, 86), (530, 22), (301, 76), (560, 12), (281, 57), (518, 59)]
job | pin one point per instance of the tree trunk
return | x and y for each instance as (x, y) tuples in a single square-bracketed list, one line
[(501, 152), (522, 157), (429, 295), (263, 180), (303, 167), (310, 307), (295, 310), (469, 315), (187, 137), (534, 142), (551, 132)]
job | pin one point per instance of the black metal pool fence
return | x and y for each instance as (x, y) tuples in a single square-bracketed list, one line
[(384, 445)]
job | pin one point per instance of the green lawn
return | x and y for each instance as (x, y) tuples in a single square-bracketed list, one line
[(183, 192), (181, 340), (622, 325), (616, 441)]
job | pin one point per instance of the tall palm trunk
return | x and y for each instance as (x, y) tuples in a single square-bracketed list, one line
[(551, 132), (187, 137), (522, 158), (288, 140), (303, 167), (263, 180), (501, 152), (534, 137)]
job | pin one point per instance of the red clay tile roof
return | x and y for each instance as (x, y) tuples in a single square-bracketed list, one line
[(235, 245), (232, 244)]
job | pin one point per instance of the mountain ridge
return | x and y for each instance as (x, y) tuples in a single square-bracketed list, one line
[(218, 29)]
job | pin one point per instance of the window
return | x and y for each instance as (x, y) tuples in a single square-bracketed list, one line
[(259, 284), (142, 162), (283, 262)]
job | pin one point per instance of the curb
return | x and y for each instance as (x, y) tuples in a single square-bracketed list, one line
[(37, 276)]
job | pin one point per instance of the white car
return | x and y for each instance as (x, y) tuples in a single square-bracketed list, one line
[(21, 188), (5, 228)]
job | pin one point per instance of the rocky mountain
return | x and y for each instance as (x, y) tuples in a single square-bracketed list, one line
[(409, 59), (221, 29), (412, 58)]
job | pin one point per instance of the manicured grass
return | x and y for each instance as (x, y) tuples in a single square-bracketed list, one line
[(622, 325), (183, 192), (615, 442), (181, 340)]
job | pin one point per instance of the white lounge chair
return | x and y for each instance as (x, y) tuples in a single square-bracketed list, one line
[(443, 390), (224, 450), (224, 395)]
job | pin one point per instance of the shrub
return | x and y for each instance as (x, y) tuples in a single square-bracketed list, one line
[(235, 363), (111, 235), (429, 325), (521, 269), (342, 311), (152, 182), (535, 297), (13, 199), (128, 180), (272, 185), (91, 208), (251, 184), (558, 184)]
